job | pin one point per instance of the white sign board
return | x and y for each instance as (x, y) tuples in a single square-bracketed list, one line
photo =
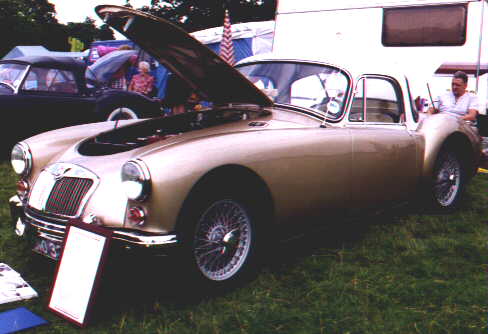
[(79, 271)]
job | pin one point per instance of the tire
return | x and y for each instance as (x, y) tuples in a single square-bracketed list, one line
[(121, 113), (220, 241), (448, 180)]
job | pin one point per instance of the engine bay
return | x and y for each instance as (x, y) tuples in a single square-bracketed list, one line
[(126, 138)]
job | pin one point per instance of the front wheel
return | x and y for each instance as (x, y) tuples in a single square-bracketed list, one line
[(448, 181), (220, 241)]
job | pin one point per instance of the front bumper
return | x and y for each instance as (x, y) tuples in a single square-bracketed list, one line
[(28, 225)]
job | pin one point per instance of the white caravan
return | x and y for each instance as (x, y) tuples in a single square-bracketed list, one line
[(419, 36)]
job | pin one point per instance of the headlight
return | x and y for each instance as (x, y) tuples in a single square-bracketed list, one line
[(21, 159), (136, 180)]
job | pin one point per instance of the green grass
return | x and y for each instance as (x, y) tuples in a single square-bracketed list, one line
[(401, 271)]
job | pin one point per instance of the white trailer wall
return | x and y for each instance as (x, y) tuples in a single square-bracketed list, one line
[(353, 28)]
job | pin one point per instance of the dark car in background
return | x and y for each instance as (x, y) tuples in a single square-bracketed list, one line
[(41, 93)]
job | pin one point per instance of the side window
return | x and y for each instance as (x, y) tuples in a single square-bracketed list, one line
[(377, 100), (50, 80), (62, 81), (382, 101)]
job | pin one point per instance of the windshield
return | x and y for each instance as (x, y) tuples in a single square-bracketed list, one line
[(11, 74), (319, 87)]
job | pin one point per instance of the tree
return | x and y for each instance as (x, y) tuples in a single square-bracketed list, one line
[(87, 31), (33, 22), (23, 22), (194, 15)]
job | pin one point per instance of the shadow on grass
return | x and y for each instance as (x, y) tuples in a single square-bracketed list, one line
[(135, 285)]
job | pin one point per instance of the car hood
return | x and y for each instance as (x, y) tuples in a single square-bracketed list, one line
[(203, 70)]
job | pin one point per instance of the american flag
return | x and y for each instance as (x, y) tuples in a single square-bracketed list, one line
[(226, 45)]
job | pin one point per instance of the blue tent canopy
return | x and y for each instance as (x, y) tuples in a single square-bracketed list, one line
[(38, 50), (248, 39)]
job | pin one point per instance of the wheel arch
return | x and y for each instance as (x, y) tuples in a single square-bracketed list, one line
[(214, 180), (141, 105), (459, 143)]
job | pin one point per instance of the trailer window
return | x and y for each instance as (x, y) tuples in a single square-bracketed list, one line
[(425, 26)]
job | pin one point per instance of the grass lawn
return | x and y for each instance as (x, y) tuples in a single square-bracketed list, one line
[(401, 271)]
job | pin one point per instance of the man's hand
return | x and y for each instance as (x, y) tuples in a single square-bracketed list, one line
[(471, 115)]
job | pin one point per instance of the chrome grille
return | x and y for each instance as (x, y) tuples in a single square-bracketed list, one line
[(66, 195)]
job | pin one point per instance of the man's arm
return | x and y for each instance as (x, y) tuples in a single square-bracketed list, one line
[(472, 108), (471, 115)]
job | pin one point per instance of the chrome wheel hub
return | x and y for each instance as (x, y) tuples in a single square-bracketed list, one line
[(222, 240), (448, 180)]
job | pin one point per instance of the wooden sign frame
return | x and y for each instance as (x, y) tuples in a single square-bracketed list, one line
[(79, 271)]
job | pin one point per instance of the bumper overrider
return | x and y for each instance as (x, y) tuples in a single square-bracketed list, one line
[(32, 224)]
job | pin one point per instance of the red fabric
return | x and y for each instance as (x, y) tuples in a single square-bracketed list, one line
[(142, 83), (226, 45)]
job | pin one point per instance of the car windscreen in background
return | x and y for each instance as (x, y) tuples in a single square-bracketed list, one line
[(425, 25)]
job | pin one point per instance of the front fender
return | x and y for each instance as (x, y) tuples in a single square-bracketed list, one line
[(437, 130), (47, 146), (143, 105)]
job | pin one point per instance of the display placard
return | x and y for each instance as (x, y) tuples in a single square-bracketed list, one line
[(79, 271)]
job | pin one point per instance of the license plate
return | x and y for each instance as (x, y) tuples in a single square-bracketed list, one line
[(47, 248)]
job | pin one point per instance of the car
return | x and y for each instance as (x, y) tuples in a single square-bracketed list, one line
[(41, 93), (285, 144)]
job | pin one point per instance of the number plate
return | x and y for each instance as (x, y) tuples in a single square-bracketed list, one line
[(47, 248)]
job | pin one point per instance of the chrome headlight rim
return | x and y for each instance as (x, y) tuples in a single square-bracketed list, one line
[(144, 180), (26, 159)]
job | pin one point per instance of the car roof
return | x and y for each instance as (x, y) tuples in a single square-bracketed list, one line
[(65, 63), (354, 66)]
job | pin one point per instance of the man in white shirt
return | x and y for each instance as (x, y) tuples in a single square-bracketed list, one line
[(459, 101)]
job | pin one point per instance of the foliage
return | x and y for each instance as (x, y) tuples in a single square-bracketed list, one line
[(195, 15), (87, 31), (33, 22)]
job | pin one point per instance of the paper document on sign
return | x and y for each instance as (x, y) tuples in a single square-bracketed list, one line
[(12, 286), (77, 272)]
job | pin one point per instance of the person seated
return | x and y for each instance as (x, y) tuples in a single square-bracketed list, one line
[(143, 82), (458, 101)]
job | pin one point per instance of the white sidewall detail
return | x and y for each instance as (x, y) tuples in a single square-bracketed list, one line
[(126, 111)]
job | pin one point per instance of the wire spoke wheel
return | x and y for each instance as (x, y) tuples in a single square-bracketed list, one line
[(222, 240), (447, 179)]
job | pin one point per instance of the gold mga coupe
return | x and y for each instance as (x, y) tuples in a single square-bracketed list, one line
[(283, 141)]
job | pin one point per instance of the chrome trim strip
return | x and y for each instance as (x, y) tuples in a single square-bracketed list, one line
[(44, 229), (54, 227), (143, 240), (51, 238), (133, 238)]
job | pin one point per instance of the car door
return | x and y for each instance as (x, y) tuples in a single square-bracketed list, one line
[(384, 152)]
